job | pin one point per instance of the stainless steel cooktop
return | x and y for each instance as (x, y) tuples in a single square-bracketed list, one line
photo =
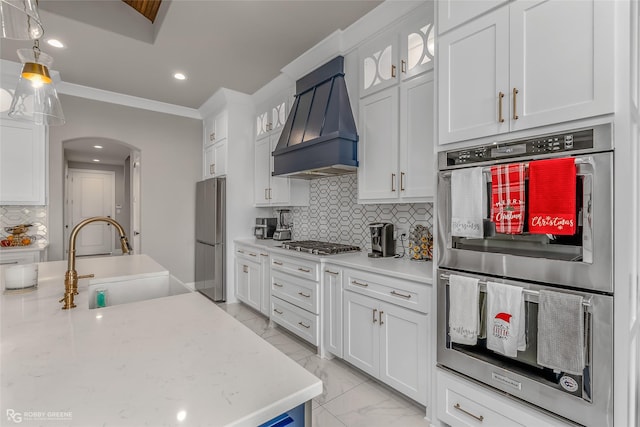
[(319, 248)]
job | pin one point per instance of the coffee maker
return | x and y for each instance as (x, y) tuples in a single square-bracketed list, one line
[(382, 242)]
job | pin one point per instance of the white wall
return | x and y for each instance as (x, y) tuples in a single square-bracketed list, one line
[(171, 153)]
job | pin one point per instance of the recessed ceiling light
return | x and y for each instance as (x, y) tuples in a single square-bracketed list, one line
[(179, 76), (55, 43), (97, 146), (96, 160)]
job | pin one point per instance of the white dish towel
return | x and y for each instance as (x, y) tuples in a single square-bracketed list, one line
[(505, 319), (463, 309), (468, 200)]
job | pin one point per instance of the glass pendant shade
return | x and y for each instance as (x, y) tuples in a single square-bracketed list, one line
[(35, 98), (20, 20)]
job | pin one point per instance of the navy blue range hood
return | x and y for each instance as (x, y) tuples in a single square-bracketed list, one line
[(319, 138)]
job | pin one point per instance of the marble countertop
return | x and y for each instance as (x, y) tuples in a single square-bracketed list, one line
[(167, 361), (417, 271)]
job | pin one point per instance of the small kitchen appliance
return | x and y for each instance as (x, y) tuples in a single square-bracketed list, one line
[(382, 243), (264, 228), (283, 230)]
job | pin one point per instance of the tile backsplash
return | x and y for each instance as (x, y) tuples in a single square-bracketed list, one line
[(334, 214), (15, 215)]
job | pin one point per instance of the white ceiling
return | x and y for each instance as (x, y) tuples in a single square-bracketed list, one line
[(239, 45)]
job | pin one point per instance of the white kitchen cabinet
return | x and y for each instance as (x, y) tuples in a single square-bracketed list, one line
[(402, 52), (396, 143), (525, 65), (452, 13), (215, 145), (22, 163), (215, 160), (332, 309), (272, 115), (462, 403), (248, 281), (388, 342), (271, 190), (215, 128)]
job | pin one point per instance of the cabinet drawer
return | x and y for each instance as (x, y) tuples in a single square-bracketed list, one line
[(296, 320), (247, 252), (300, 292), (462, 403), (296, 266), (401, 292)]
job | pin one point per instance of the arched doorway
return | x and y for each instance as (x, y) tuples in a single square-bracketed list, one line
[(102, 178)]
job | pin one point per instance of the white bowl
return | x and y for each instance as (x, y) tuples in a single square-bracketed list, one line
[(21, 276)]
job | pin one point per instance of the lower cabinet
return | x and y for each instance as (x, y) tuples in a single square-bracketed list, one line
[(388, 342), (462, 403), (252, 277)]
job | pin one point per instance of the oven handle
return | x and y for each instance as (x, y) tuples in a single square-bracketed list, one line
[(482, 285), (446, 173)]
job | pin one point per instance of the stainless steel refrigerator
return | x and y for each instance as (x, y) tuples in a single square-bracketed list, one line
[(210, 277)]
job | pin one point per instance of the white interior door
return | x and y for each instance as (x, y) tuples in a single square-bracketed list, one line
[(92, 194), (134, 239)]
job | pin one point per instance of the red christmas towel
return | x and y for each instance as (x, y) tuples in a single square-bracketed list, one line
[(507, 198), (552, 197)]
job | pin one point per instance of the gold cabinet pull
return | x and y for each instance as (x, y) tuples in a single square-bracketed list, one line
[(240, 251), (393, 71), (500, 99), (277, 262), (277, 311), (401, 181), (265, 194), (374, 315), (477, 417), (355, 282), (380, 316), (245, 268), (304, 295), (332, 272), (270, 194), (264, 254), (212, 136), (398, 294), (254, 255), (515, 93), (277, 284), (403, 66), (303, 325), (212, 169), (393, 182), (304, 270)]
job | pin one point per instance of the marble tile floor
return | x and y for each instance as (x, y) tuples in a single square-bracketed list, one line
[(349, 397)]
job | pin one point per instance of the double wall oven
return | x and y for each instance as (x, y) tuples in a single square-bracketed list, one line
[(579, 264)]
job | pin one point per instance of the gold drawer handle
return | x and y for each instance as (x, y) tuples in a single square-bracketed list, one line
[(279, 312), (332, 272), (380, 317), (277, 284), (355, 282), (304, 270), (374, 315), (400, 295), (277, 263), (393, 182), (477, 417), (252, 254), (264, 254), (515, 114), (241, 252), (304, 295), (500, 98), (302, 324)]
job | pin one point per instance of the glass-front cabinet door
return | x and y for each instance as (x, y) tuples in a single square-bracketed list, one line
[(417, 45), (378, 63)]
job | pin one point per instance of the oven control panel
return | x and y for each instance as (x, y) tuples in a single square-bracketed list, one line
[(548, 144)]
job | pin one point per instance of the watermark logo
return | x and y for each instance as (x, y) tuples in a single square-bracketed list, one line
[(19, 416)]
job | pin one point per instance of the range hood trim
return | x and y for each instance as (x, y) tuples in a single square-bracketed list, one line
[(335, 135)]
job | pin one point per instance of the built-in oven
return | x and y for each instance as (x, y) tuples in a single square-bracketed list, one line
[(576, 262), (586, 399), (583, 260)]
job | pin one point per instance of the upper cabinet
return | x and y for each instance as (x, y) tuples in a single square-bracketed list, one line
[(396, 123), (22, 163), (272, 115), (215, 145), (525, 65), (398, 54), (452, 13)]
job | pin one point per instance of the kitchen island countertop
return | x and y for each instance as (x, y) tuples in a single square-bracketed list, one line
[(166, 361), (404, 268)]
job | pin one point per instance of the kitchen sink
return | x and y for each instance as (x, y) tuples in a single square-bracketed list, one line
[(129, 289)]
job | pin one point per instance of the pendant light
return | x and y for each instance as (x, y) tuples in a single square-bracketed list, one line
[(20, 20), (35, 98)]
